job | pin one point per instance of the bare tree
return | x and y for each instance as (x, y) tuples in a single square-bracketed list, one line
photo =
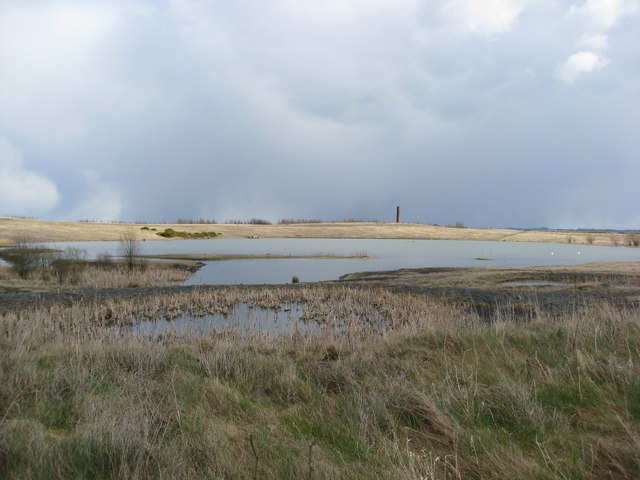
[(130, 248), (26, 256)]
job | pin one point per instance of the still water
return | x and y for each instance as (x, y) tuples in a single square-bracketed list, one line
[(384, 255), (244, 319), (241, 319)]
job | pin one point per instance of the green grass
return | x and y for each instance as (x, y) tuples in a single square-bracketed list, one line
[(444, 399)]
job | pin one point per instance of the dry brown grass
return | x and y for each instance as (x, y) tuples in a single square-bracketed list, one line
[(110, 275), (47, 231), (336, 309), (592, 276), (442, 395), (151, 275)]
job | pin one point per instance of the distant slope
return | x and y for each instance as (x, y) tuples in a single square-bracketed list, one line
[(49, 231)]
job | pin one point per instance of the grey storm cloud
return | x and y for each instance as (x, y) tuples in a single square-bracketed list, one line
[(494, 113)]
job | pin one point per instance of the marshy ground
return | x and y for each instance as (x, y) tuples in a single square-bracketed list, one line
[(480, 373), (554, 289), (484, 290)]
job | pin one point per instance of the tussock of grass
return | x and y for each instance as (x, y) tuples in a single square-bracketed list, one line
[(440, 395)]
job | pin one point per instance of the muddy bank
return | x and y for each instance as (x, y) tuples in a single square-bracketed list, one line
[(519, 290), (490, 292)]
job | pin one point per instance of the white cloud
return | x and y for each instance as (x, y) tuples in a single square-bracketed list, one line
[(579, 64), (371, 89), (604, 14), (22, 191), (598, 18), (83, 24), (485, 18), (58, 59)]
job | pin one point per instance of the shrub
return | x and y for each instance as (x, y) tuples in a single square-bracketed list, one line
[(590, 238), (171, 233), (26, 256), (168, 233), (69, 265)]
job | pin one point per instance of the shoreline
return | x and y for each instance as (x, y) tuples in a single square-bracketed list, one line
[(483, 289)]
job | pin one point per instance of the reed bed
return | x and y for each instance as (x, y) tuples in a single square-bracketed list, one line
[(150, 275), (440, 395), (356, 311), (108, 275)]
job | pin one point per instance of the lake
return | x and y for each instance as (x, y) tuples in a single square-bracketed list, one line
[(384, 254)]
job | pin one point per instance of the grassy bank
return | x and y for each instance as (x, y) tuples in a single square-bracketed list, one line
[(441, 395)]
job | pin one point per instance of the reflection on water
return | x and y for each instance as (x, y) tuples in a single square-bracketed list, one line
[(385, 255), (3, 263), (240, 319), (244, 319)]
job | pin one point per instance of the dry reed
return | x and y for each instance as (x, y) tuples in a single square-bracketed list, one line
[(110, 275), (439, 395)]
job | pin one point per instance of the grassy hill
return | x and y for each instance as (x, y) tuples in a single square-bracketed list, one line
[(43, 230)]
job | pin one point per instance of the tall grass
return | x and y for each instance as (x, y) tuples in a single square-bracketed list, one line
[(121, 277), (96, 275), (440, 395)]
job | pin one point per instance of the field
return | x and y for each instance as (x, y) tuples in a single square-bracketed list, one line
[(47, 231)]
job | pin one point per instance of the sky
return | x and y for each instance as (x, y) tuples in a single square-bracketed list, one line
[(493, 113)]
